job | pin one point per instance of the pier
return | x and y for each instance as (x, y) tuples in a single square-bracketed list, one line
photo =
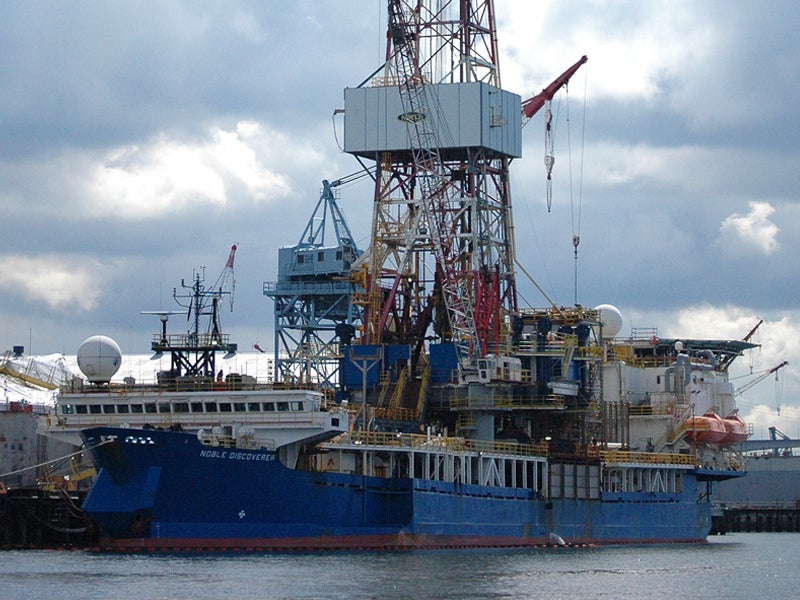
[(747, 519), (32, 518)]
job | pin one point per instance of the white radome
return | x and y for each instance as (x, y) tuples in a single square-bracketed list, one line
[(99, 358), (611, 319)]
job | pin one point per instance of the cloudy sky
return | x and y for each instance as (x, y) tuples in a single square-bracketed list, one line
[(140, 140)]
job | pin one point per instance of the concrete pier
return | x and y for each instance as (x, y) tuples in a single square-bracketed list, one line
[(747, 519)]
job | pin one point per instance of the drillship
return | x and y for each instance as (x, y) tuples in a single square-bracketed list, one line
[(535, 484), (442, 414)]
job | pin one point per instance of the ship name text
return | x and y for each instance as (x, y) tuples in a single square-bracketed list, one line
[(236, 455)]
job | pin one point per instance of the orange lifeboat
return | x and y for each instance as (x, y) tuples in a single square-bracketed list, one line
[(736, 430), (706, 429)]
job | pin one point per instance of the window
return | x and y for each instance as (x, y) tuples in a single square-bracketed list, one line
[(197, 407), (181, 407), (211, 407), (94, 409), (320, 256), (109, 409), (137, 409), (300, 258), (254, 406), (150, 408), (338, 255), (224, 407), (239, 407), (269, 406), (297, 405), (164, 408), (283, 406), (66, 409), (123, 409), (81, 409)]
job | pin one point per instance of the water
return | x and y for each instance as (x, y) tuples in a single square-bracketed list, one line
[(746, 566)]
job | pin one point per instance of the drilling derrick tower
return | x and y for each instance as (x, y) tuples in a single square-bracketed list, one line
[(442, 335), (441, 133)]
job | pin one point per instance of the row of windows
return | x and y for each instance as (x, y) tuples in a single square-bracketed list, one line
[(301, 258), (180, 407)]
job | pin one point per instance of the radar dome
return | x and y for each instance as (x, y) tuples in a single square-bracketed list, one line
[(611, 319), (99, 358)]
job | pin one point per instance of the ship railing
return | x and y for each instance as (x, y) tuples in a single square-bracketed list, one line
[(650, 458), (562, 315), (190, 340), (381, 439), (594, 352), (245, 442), (208, 438), (23, 406), (188, 384), (550, 401), (626, 352), (394, 81), (385, 413), (394, 413), (71, 422), (316, 286), (656, 403), (554, 346), (508, 448)]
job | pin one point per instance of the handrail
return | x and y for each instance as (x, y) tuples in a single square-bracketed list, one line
[(622, 456), (200, 384), (506, 401), (425, 442)]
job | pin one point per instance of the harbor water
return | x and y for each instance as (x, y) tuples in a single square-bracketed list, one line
[(745, 565)]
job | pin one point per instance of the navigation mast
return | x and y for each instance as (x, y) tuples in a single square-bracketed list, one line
[(193, 354)]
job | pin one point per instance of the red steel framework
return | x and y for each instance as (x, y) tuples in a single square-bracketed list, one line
[(441, 261)]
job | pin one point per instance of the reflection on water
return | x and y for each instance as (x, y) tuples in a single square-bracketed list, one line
[(753, 565)]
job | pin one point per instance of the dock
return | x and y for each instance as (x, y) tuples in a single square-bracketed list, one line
[(33, 518), (748, 519)]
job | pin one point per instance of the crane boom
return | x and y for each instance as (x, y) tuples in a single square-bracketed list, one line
[(533, 105), (226, 282), (752, 332), (750, 384)]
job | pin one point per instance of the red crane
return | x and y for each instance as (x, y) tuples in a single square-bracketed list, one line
[(533, 105)]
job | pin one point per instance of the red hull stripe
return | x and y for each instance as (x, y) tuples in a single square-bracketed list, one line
[(376, 542)]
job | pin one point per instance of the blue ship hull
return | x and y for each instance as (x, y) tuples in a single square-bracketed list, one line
[(165, 490)]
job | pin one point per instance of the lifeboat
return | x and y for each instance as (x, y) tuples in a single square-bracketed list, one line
[(736, 430), (706, 429)]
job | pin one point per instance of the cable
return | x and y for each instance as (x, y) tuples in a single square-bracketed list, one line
[(55, 460)]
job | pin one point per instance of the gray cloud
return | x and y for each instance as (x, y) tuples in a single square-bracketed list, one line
[(139, 141)]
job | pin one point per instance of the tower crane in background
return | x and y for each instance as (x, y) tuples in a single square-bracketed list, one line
[(226, 282), (313, 295)]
